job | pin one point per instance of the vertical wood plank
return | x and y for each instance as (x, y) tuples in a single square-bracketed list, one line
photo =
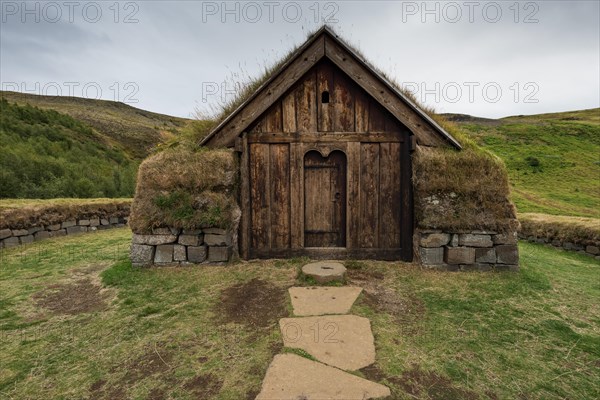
[(289, 113), (257, 127), (306, 103), (376, 117), (353, 201), (343, 103), (324, 110), (392, 124), (273, 120), (296, 196), (369, 195), (280, 196), (361, 107), (259, 195), (390, 204), (245, 199)]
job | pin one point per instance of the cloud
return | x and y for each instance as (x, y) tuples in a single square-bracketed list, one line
[(169, 49)]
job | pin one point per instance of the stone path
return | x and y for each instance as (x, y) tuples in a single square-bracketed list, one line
[(308, 301), (343, 341), (291, 377), (339, 343)]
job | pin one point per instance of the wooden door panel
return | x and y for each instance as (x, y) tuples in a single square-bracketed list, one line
[(324, 200)]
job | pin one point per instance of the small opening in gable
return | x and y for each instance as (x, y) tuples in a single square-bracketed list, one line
[(325, 97)]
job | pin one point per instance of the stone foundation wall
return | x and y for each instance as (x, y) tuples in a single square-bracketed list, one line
[(171, 246), (592, 249), (16, 237), (473, 251)]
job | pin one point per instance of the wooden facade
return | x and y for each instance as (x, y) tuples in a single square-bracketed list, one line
[(325, 164)]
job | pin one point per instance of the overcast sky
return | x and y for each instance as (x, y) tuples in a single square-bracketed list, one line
[(490, 59)]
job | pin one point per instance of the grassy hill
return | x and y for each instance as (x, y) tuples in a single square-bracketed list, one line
[(46, 154), (72, 147), (553, 159), (131, 129)]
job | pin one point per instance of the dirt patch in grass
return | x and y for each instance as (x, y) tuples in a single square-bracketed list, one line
[(204, 386), (98, 391), (373, 373), (431, 385), (423, 384), (251, 395), (154, 361), (82, 296), (256, 303), (156, 394), (364, 275), (276, 347)]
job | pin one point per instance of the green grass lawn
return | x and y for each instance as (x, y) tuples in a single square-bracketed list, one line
[(76, 321)]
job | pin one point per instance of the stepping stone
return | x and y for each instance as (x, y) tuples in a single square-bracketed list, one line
[(291, 377), (325, 271), (343, 341), (308, 301)]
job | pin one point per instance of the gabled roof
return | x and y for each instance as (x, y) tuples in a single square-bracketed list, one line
[(326, 44)]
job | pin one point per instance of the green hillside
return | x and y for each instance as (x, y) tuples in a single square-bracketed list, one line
[(46, 154), (553, 159), (133, 130)]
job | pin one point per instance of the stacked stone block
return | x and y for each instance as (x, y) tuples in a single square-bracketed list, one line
[(170, 246), (16, 237), (468, 251)]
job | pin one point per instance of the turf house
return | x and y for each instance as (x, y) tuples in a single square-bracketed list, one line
[(327, 159)]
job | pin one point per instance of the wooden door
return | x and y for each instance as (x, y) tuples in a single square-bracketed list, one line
[(325, 199)]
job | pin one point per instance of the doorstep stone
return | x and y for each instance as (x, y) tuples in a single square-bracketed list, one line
[(343, 341), (293, 377), (325, 271), (309, 301)]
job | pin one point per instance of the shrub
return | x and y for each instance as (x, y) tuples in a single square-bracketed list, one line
[(532, 161)]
